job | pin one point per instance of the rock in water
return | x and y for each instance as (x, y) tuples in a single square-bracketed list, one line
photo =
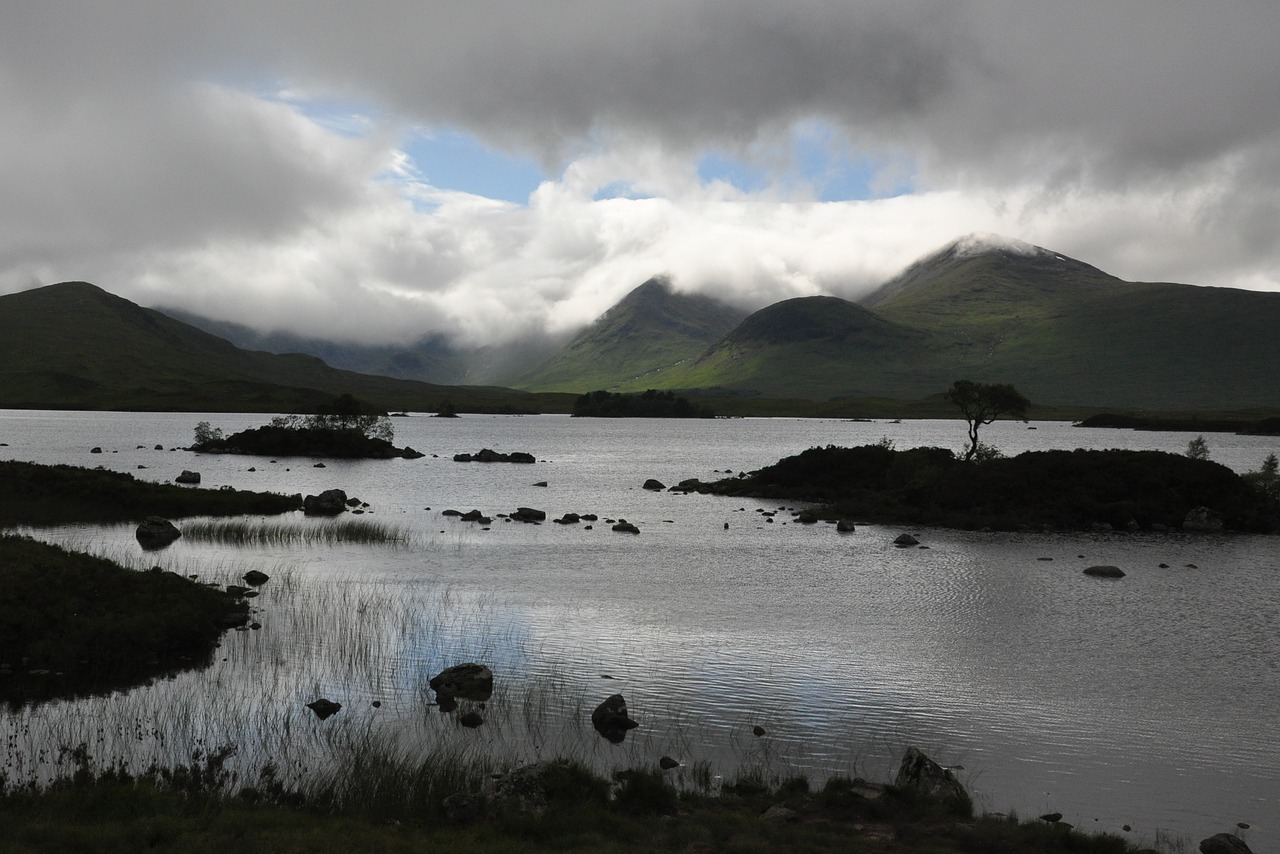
[(324, 708), (331, 502), (1224, 843), (1105, 572), (468, 681), (187, 477), (611, 721), (654, 485), (256, 578), (905, 540), (921, 774), (156, 532)]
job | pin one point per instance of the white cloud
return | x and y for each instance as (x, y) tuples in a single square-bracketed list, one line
[(1142, 139)]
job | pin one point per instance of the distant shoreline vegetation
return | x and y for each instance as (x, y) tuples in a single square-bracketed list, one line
[(1059, 490), (649, 404), (345, 428), (1262, 427)]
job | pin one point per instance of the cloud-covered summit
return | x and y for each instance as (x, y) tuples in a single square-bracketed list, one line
[(251, 161)]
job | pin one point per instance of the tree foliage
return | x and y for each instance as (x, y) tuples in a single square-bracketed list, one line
[(1198, 448), (982, 403)]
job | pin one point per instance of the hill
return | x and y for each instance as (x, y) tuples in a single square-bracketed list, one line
[(1065, 332), (817, 347), (75, 346), (995, 310), (648, 332)]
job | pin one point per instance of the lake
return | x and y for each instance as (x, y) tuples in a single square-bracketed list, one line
[(1150, 701)]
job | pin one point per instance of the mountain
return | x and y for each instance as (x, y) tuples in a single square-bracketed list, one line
[(1065, 332), (649, 331), (75, 346), (816, 347), (991, 309), (431, 359)]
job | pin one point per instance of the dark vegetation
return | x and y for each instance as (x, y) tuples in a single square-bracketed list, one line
[(983, 403), (190, 809), (1057, 489), (649, 404), (34, 494), (1256, 427), (344, 428), (71, 624)]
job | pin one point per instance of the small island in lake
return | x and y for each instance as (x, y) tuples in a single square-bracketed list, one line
[(1060, 490), (343, 429)]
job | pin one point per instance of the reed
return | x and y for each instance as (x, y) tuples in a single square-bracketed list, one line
[(261, 532)]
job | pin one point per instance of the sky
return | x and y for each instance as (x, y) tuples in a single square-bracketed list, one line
[(385, 170)]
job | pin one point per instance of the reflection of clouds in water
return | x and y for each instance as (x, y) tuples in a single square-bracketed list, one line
[(843, 648)]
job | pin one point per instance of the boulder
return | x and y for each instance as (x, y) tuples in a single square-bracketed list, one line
[(156, 532), (476, 516), (666, 763), (654, 485), (471, 719), (255, 578), (611, 721), (95, 450), (1224, 843), (905, 540), (187, 477), (804, 517), (918, 773), (529, 514), (1202, 519), (1105, 572), (568, 519), (331, 502), (324, 708), (488, 455), (468, 681), (625, 527), (844, 526)]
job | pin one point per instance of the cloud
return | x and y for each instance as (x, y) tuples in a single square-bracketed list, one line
[(250, 161)]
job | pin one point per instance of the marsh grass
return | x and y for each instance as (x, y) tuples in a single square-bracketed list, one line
[(261, 532)]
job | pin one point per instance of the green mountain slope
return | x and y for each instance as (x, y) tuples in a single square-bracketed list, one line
[(993, 310), (815, 347), (1065, 332), (75, 346), (649, 332)]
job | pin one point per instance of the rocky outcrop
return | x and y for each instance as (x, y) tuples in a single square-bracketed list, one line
[(331, 502), (610, 719), (921, 775), (625, 527), (487, 455), (156, 532)]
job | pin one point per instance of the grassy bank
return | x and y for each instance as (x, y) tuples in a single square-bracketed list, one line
[(71, 624), (34, 494), (191, 809)]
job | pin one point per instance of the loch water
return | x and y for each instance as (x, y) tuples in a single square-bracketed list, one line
[(1151, 701)]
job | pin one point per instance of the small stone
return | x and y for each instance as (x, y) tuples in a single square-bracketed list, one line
[(758, 731)]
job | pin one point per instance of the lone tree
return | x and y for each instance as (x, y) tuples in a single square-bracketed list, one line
[(981, 404)]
